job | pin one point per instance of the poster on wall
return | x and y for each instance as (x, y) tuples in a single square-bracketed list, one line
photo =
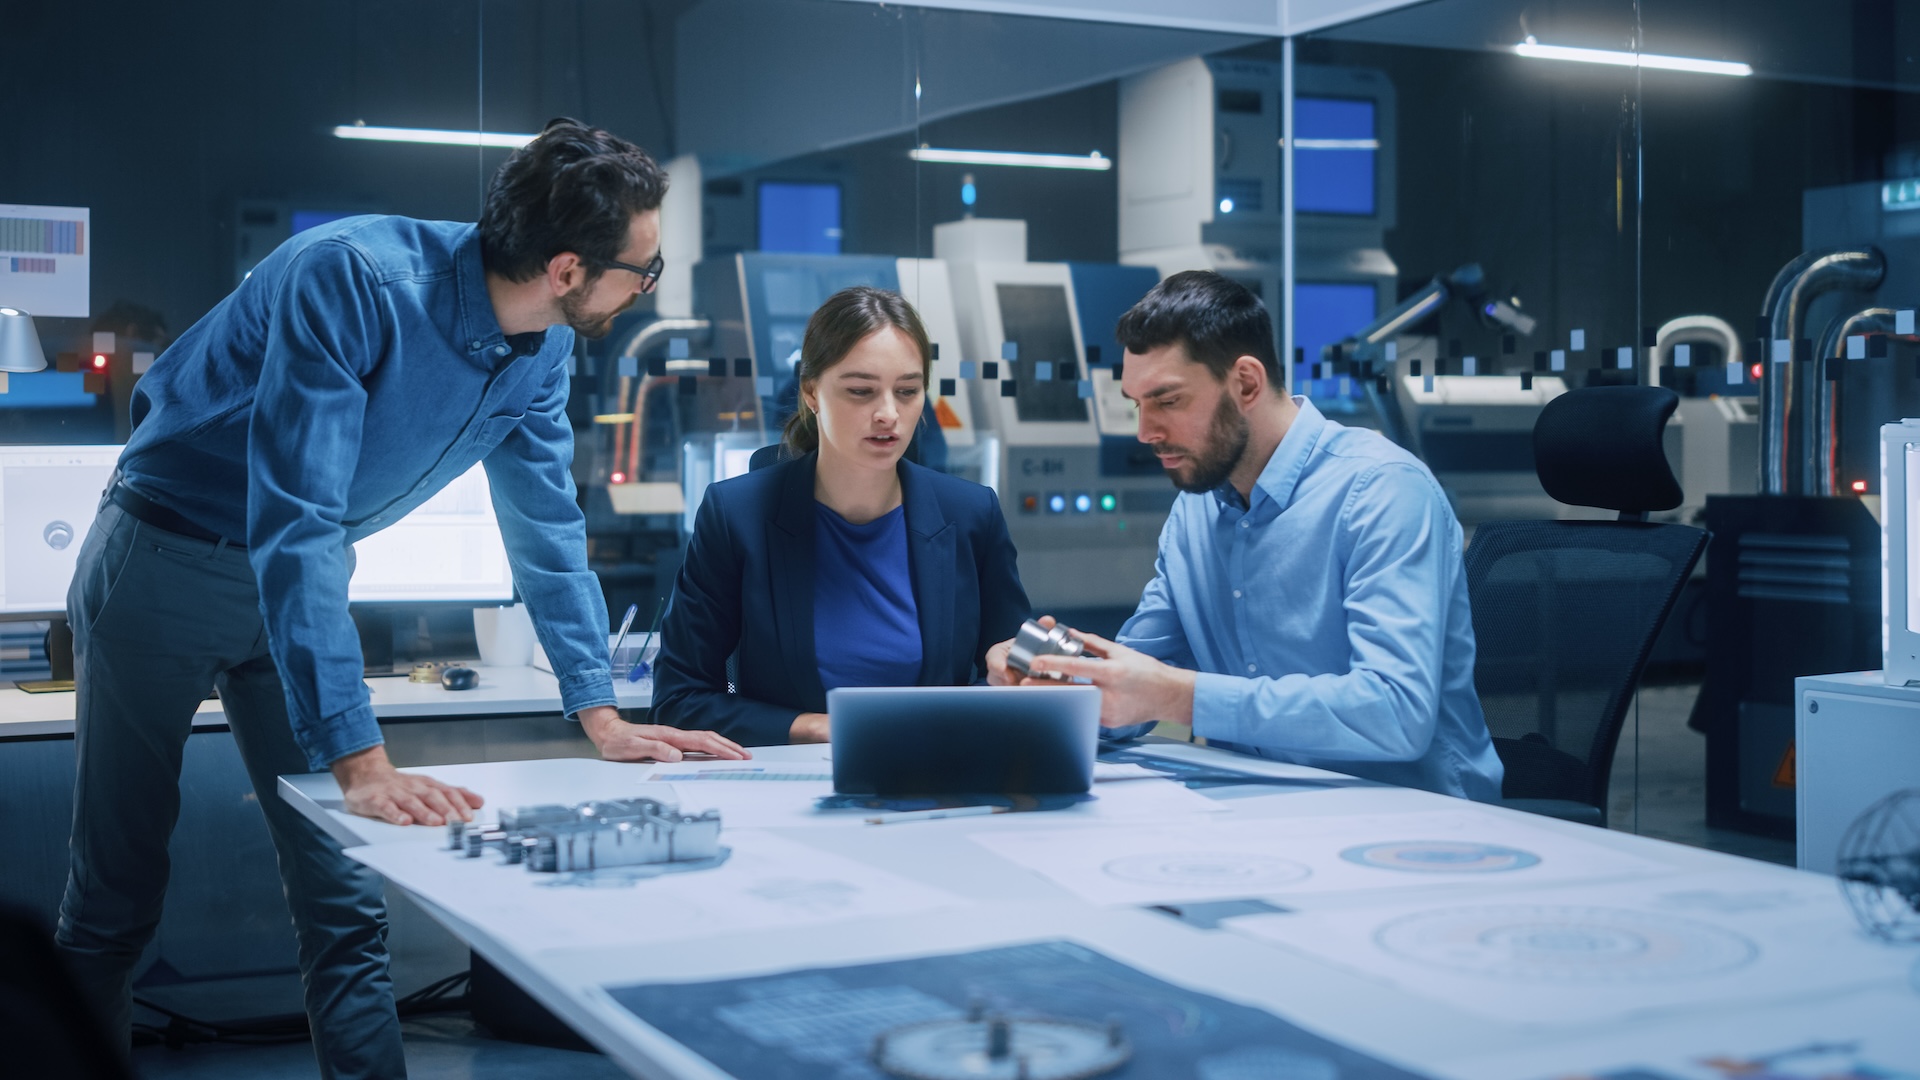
[(46, 260)]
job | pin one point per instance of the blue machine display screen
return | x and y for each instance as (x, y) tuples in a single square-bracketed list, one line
[(1335, 148), (800, 218), (48, 390), (1326, 312)]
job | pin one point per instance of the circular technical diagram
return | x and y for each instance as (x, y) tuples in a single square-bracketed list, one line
[(1441, 857), (57, 534), (1206, 869), (1541, 943), (999, 1048)]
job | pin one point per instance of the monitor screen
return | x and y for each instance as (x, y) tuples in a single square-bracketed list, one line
[(1326, 312), (1335, 150), (448, 550), (48, 496), (1035, 318), (799, 217)]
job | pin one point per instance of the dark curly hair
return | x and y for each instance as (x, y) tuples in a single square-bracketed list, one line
[(848, 318), (573, 188), (1217, 319)]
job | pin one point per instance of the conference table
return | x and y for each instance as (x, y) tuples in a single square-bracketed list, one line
[(1222, 917)]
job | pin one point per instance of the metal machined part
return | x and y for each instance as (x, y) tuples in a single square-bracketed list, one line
[(1035, 640), (595, 835)]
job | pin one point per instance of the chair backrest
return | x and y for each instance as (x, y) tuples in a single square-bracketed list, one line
[(1565, 613)]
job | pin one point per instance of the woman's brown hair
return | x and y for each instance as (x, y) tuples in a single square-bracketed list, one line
[(848, 317)]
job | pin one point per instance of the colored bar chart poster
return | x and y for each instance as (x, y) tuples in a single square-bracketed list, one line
[(46, 260)]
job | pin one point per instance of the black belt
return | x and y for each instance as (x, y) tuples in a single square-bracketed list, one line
[(143, 509)]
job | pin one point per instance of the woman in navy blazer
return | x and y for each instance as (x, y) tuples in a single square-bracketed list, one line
[(843, 562)]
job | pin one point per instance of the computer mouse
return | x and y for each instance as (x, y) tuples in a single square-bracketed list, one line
[(459, 678)]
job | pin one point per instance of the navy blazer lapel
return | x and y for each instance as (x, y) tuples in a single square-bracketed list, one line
[(790, 540), (930, 555)]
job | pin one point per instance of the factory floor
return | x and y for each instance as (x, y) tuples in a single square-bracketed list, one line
[(1659, 790)]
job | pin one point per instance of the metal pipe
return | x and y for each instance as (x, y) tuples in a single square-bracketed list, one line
[(629, 439), (1793, 290), (1826, 436), (1686, 330)]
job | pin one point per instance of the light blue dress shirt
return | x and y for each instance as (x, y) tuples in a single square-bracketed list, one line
[(1327, 616)]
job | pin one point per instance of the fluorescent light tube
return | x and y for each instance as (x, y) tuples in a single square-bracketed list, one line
[(504, 139), (1334, 144), (1536, 51), (1094, 161)]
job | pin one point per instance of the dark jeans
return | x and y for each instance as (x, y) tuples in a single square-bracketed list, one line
[(158, 619)]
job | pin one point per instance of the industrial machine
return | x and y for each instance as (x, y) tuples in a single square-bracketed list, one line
[(1794, 572), (1083, 499), (1201, 151)]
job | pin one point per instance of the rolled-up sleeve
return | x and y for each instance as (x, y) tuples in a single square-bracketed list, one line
[(531, 474), (304, 438), (1402, 547)]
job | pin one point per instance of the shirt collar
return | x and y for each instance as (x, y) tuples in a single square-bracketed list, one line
[(1282, 472), (482, 340)]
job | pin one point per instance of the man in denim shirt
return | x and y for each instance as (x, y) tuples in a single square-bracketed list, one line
[(1309, 603), (360, 368)]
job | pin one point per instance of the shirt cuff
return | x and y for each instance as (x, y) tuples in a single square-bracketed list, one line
[(335, 737), (585, 690), (1217, 703)]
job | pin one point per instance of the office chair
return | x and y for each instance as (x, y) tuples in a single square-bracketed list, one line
[(1565, 613)]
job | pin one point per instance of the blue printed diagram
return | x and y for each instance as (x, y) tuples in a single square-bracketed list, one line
[(1441, 857)]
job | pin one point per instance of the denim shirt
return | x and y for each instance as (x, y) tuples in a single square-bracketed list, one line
[(1327, 615), (354, 373)]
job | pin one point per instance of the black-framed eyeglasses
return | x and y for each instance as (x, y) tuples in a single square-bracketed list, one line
[(649, 274)]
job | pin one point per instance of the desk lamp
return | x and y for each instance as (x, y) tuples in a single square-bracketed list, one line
[(19, 343)]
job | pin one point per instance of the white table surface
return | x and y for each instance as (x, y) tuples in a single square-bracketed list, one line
[(1004, 902), (503, 691)]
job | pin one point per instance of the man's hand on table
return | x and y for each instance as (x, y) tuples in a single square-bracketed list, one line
[(618, 740), (373, 788), (1134, 687)]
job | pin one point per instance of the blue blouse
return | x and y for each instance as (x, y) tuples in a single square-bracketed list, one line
[(866, 627)]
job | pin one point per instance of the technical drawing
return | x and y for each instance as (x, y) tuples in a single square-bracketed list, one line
[(1441, 857), (1542, 943), (1207, 869)]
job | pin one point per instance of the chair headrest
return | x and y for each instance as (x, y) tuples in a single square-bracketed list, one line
[(1601, 446)]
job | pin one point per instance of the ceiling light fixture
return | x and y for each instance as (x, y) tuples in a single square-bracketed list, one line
[(1533, 50), (1093, 162), (506, 140)]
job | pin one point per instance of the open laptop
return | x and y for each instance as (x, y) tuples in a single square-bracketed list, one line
[(964, 740)]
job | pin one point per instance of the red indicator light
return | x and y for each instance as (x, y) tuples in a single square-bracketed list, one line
[(618, 478), (1860, 485), (1756, 373), (99, 362)]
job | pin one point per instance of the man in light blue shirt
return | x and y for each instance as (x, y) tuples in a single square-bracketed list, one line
[(1309, 603)]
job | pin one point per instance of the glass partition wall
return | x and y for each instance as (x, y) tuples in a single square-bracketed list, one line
[(1544, 195)]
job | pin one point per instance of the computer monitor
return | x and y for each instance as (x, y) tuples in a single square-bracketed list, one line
[(48, 496), (447, 551)]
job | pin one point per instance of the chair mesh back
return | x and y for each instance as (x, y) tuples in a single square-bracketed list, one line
[(1564, 616)]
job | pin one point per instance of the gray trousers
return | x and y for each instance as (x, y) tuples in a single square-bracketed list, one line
[(159, 619)]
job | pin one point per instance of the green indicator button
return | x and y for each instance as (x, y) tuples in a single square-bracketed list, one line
[(1108, 502)]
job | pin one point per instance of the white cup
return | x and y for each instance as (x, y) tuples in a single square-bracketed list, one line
[(505, 635)]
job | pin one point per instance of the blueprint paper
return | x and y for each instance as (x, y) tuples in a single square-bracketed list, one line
[(750, 804), (1865, 1036), (820, 1023), (1598, 952), (767, 882), (1282, 856)]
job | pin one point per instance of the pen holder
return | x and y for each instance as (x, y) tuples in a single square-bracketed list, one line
[(631, 652)]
